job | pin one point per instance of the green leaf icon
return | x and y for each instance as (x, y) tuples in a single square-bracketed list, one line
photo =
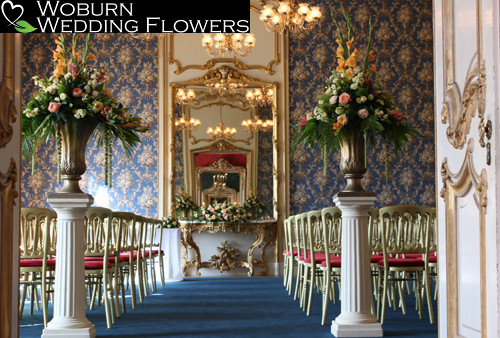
[(24, 27)]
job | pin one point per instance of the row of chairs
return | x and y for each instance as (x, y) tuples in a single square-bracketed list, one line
[(402, 246), (118, 246)]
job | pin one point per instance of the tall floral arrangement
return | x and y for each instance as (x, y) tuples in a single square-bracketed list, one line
[(76, 92), (353, 102)]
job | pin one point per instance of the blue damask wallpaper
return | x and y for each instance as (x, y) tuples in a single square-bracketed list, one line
[(133, 68), (402, 40)]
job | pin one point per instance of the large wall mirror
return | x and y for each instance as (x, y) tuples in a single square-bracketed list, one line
[(223, 168)]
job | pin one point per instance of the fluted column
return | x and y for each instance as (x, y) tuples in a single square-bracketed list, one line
[(69, 290), (355, 319)]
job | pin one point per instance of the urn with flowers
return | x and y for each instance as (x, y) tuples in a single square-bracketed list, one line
[(352, 111), (72, 105)]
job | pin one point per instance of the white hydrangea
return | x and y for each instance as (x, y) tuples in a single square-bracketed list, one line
[(79, 113)]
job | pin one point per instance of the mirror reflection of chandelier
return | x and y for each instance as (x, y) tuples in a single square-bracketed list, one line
[(260, 97), (183, 98), (289, 16), (256, 124), (221, 131), (228, 43), (224, 80)]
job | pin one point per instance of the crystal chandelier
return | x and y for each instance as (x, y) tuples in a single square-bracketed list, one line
[(260, 97), (256, 124), (183, 98), (228, 43), (289, 16), (224, 80), (221, 131)]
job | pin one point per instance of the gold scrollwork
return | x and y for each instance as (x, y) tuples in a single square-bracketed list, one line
[(212, 62), (459, 108), (8, 114), (454, 187)]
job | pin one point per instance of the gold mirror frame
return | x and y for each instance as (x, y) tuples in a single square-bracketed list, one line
[(170, 141)]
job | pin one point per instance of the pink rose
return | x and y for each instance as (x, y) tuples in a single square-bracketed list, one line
[(54, 107), (333, 99), (77, 92), (363, 113), (344, 98), (309, 116)]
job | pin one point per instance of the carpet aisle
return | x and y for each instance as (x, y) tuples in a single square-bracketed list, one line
[(230, 307)]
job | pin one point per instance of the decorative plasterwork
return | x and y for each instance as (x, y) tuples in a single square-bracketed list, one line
[(8, 194), (460, 107), (8, 115), (456, 186), (212, 62)]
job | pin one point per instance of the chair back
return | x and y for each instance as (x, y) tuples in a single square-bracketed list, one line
[(35, 234), (332, 230), (374, 236), (314, 234), (287, 238), (125, 222), (300, 222), (98, 234), (404, 230), (432, 230)]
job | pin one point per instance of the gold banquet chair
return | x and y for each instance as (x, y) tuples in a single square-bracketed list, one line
[(332, 238), (299, 224), (404, 231), (100, 264), (289, 253), (36, 265), (314, 254)]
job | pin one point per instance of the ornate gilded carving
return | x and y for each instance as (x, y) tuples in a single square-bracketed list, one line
[(265, 233), (456, 186), (7, 115), (268, 69), (8, 194), (459, 108), (227, 259)]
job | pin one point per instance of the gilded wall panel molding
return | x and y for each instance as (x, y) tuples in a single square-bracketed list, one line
[(456, 186), (8, 115), (268, 69), (459, 107), (8, 194)]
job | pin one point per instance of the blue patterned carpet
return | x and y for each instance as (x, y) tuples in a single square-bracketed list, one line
[(231, 307)]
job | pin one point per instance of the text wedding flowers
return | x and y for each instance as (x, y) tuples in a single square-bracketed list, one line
[(353, 102), (77, 93)]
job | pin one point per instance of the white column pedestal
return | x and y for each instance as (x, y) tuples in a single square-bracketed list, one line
[(69, 289), (355, 319)]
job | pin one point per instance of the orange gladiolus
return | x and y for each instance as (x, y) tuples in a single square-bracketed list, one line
[(91, 57), (349, 73), (341, 64), (373, 69), (340, 51)]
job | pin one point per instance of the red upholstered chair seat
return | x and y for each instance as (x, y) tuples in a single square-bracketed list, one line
[(96, 264), (335, 262), (403, 262), (433, 259), (417, 256), (35, 262), (318, 258), (127, 255), (376, 258), (110, 259)]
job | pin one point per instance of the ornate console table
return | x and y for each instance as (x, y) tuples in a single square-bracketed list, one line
[(227, 257)]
